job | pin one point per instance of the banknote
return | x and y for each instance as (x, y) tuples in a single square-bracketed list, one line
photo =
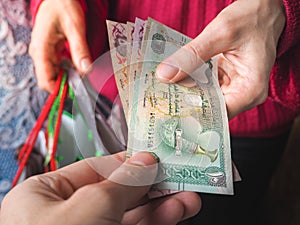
[(185, 123), (135, 63), (129, 35), (117, 36)]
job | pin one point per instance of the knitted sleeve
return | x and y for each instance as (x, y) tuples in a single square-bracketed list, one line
[(285, 75), (291, 33)]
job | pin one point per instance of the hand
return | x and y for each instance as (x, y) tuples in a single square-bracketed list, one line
[(57, 21), (81, 194), (245, 34)]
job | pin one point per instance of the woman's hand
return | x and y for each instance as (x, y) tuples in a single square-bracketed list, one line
[(245, 34), (56, 22)]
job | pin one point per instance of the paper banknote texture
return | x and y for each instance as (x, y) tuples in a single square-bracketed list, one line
[(117, 35), (184, 123)]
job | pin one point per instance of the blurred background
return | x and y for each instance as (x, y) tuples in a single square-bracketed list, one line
[(283, 201)]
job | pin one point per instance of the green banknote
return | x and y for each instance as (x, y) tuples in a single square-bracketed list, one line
[(184, 123)]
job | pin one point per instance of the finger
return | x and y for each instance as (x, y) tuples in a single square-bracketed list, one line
[(46, 67), (233, 82), (74, 28), (214, 39), (65, 181), (112, 196), (42, 50), (167, 210), (45, 75), (134, 178)]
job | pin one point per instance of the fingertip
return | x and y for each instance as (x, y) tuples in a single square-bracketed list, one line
[(192, 204), (51, 87), (144, 159), (79, 50), (189, 203), (174, 208), (45, 75), (85, 65), (47, 86), (165, 72), (139, 170)]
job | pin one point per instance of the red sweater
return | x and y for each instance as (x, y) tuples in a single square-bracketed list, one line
[(269, 119)]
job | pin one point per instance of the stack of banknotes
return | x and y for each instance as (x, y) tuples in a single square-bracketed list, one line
[(184, 123)]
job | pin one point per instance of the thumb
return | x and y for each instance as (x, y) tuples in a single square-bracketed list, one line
[(210, 42), (126, 186), (134, 178), (75, 32)]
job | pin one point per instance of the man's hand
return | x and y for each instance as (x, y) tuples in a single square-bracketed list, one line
[(102, 190)]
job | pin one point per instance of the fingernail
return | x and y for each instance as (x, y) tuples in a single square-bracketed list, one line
[(140, 170), (166, 71), (85, 64), (144, 159)]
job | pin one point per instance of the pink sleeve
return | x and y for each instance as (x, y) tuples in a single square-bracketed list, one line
[(291, 33)]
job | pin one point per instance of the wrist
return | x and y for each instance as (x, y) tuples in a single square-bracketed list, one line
[(275, 11)]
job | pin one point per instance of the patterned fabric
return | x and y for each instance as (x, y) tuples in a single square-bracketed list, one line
[(20, 98)]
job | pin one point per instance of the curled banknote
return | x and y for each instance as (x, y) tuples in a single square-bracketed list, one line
[(184, 123)]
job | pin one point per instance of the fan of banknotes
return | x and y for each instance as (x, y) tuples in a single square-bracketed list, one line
[(184, 123)]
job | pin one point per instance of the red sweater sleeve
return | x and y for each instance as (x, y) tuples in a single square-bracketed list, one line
[(291, 33), (285, 75)]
